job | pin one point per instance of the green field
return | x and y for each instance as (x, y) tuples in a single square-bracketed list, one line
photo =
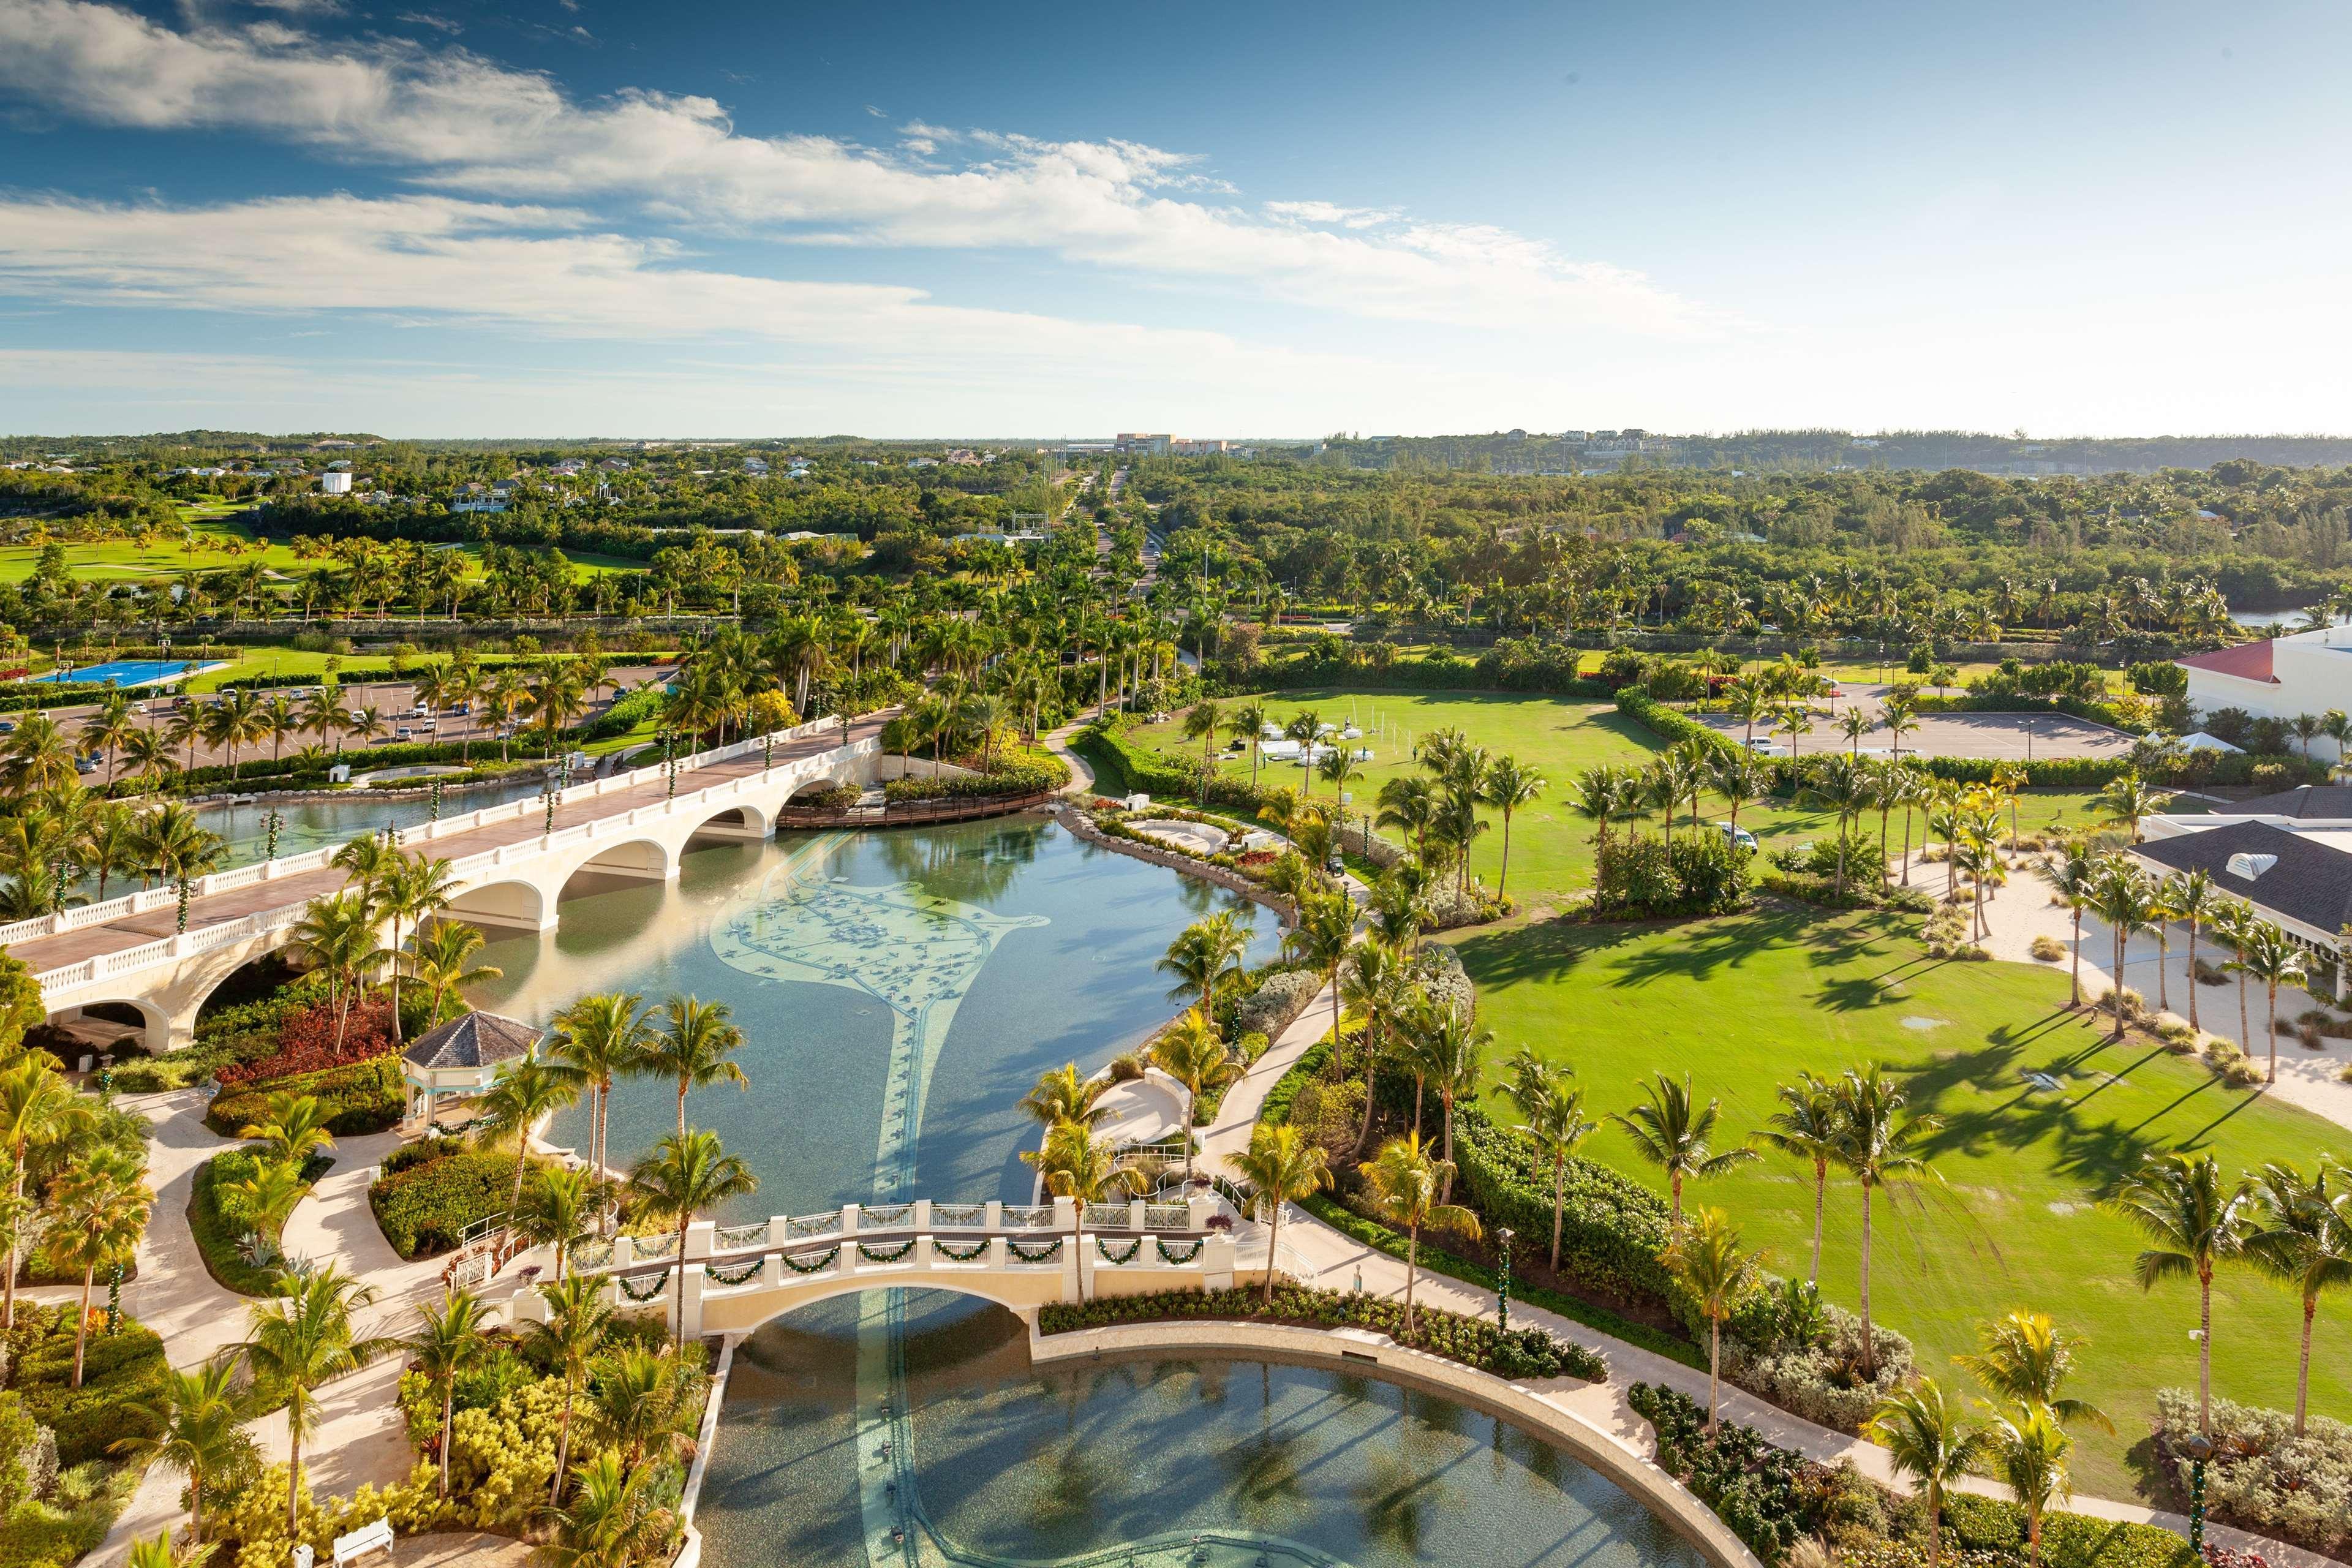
[(1551, 847), (218, 537), (1743, 1003)]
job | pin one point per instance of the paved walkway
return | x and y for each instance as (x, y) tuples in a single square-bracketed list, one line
[(1082, 772), (1335, 1262)]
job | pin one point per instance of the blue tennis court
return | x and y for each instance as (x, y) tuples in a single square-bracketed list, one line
[(117, 672)]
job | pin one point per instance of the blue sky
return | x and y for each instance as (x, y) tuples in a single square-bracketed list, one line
[(577, 216)]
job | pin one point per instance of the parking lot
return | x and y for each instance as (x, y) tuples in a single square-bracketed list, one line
[(2020, 737)]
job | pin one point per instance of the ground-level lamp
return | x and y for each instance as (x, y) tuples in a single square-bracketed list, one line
[(1503, 1289)]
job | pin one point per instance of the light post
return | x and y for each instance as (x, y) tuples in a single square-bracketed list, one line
[(270, 825), (1503, 1290), (2199, 1448)]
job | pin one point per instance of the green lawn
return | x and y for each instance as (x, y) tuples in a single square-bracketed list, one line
[(1743, 1003), (123, 559), (1551, 847)]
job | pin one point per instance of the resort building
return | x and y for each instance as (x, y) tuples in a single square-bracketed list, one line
[(2289, 855), (2277, 678), (459, 1060)]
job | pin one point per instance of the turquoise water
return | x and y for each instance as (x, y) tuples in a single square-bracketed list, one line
[(900, 991), (115, 672)]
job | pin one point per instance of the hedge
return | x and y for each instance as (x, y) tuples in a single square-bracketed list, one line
[(1025, 777), (1473, 1342), (1122, 769), (426, 1208), (295, 772), (1670, 725), (1495, 670), (217, 1217), (1611, 1227), (120, 1371), (364, 1097)]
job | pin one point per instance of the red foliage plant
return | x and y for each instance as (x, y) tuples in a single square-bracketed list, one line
[(306, 1042)]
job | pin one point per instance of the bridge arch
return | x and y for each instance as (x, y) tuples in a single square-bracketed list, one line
[(742, 820), (155, 1024), (646, 859), (1020, 1292), (517, 905)]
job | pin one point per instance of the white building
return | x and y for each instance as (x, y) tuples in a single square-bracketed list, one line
[(336, 481), (2277, 678)]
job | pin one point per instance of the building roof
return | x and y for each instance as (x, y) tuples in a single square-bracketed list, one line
[(475, 1040), (2312, 803), (2306, 881), (2247, 661)]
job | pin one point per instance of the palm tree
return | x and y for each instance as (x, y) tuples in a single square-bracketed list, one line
[(1874, 1144), (271, 1193), (1206, 957), (38, 1108), (445, 968), (1807, 1126), (1842, 786), (2127, 800), (1926, 1439), (691, 1043), (1200, 723), (297, 1125), (2071, 876), (415, 890), (98, 1213), (1551, 1112), (686, 1174), (1337, 767), (2025, 1359), (2030, 1451), (525, 1094), (614, 1519), (2124, 896), (1408, 803), (578, 1317), (1737, 777), (1078, 1166), (2193, 1224), (446, 1343), (180, 848), (336, 934), (195, 1428), (2302, 1237), (1281, 1166), (301, 1342), (1510, 785), (2271, 956), (1303, 728), (604, 1037), (1451, 1052), (1194, 1053), (554, 1211), (1706, 1258), (1062, 1097), (1247, 723), (641, 1398), (1401, 1184), (1854, 726), (1671, 1132), (1326, 926), (2195, 900)]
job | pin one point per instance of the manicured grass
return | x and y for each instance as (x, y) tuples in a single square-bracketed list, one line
[(166, 557), (1744, 1004), (1551, 845)]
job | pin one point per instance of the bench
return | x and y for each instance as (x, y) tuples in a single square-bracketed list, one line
[(367, 1538)]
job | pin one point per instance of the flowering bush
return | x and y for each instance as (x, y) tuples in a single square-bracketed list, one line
[(307, 1042)]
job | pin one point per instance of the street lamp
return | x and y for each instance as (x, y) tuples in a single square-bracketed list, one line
[(1503, 1290)]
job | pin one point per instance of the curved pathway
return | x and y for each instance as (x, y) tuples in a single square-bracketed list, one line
[(1333, 1261), (1082, 772)]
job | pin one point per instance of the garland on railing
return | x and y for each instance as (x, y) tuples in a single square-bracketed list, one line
[(954, 1254), (811, 1265), (648, 1248), (659, 1283), (1178, 1256), (1133, 1246), (885, 1253), (736, 1275), (1045, 1254), (958, 1214), (739, 1235), (591, 1254)]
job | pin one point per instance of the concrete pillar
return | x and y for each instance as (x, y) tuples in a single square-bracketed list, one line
[(698, 1238), (1065, 1214), (1000, 1252), (994, 1216), (849, 1219), (1217, 1262), (1135, 1214), (689, 1302), (624, 1251), (1199, 1211), (922, 1213)]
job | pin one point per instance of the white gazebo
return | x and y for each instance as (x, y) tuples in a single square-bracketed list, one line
[(459, 1060)]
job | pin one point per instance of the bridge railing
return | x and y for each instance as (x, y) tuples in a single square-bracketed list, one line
[(225, 932)]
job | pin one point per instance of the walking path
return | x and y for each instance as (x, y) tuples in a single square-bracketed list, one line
[(1082, 774), (1334, 1261)]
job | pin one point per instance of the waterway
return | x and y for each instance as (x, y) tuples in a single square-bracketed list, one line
[(899, 992)]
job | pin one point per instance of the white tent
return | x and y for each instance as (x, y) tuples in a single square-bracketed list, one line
[(2201, 741)]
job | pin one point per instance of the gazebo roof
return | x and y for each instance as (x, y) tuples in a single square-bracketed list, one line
[(472, 1040)]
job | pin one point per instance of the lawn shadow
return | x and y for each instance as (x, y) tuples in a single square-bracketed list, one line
[(1541, 951)]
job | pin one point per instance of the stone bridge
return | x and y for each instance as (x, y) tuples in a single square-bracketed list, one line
[(1020, 1257), (509, 863)]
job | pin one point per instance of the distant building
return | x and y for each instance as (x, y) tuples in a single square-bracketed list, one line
[(1145, 445), (336, 482), (2276, 677)]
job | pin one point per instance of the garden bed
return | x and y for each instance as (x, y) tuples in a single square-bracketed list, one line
[(217, 1217)]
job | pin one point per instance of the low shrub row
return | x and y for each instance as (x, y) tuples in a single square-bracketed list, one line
[(1519, 1354), (321, 1036), (1643, 877), (1123, 769), (2264, 1478), (1028, 776), (425, 1207), (358, 1097), (1668, 725)]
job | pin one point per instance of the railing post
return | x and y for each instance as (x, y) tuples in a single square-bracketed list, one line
[(1199, 1211), (624, 1251), (922, 1214), (1217, 1261), (771, 1272), (994, 1217), (1135, 1214), (1000, 1252), (849, 1219), (1065, 1214)]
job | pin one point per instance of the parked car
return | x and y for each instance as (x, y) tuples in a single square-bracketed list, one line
[(1739, 836), (402, 733), (8, 727), (85, 765)]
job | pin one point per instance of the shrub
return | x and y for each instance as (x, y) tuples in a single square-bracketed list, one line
[(120, 1371), (425, 1208), (2049, 949), (221, 1218), (1700, 873), (2264, 1478), (309, 1040), (361, 1098), (1277, 1002), (1522, 1353), (1668, 725), (1027, 776)]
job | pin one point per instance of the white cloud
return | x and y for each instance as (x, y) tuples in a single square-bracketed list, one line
[(456, 122)]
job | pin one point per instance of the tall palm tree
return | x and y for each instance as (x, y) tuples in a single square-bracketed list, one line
[(1281, 1166), (578, 1317), (2025, 1358), (448, 1341), (1206, 957), (2124, 896), (555, 1211), (37, 1109), (180, 848), (1808, 1127), (2194, 899), (1402, 1183), (1192, 1052), (1201, 723), (2302, 1237), (1061, 1096), (336, 934), (1247, 723), (1326, 926), (194, 1428), (2194, 1222), (1408, 803), (688, 1173), (1706, 1258), (2071, 873), (603, 1037), (413, 891), (1551, 1115), (525, 1094), (1842, 786), (1672, 1132), (1926, 1439), (1077, 1164), (445, 969), (300, 1343), (2030, 1453), (1510, 786), (2271, 956), (97, 1212), (692, 1043), (1875, 1145)]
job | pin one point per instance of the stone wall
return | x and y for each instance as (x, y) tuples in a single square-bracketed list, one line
[(1077, 822)]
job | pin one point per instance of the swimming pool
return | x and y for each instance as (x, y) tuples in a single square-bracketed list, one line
[(118, 672)]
